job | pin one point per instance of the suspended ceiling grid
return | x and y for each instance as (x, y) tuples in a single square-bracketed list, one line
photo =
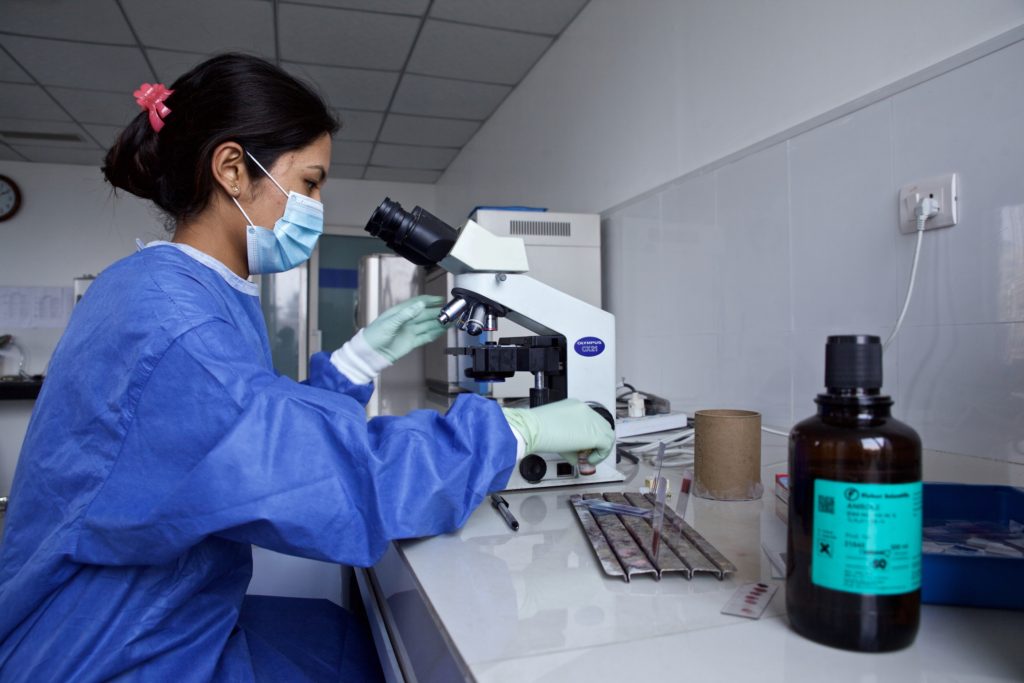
[(411, 80)]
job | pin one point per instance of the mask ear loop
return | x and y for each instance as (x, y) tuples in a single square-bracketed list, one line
[(283, 191), (247, 219)]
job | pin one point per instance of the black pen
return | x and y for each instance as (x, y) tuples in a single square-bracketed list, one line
[(501, 505)]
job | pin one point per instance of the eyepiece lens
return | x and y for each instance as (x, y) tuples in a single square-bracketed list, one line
[(418, 235)]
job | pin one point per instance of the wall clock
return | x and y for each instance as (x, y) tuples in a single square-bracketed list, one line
[(10, 198)]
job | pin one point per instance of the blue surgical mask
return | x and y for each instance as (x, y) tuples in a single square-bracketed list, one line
[(293, 238)]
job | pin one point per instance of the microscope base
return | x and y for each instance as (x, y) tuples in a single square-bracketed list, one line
[(606, 473)]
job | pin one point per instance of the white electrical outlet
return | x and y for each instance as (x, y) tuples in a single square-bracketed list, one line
[(944, 189)]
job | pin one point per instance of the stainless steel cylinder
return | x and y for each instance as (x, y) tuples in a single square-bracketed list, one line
[(477, 320), (492, 322), (452, 310)]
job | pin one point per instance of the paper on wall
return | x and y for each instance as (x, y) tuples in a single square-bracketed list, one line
[(34, 307)]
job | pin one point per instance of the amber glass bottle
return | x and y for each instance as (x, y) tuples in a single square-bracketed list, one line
[(853, 572)]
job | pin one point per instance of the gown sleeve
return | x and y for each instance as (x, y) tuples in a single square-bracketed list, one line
[(324, 375), (220, 445)]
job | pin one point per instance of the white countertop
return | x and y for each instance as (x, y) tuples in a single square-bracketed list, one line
[(536, 606)]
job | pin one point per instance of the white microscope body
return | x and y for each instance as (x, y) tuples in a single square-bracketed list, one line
[(573, 355), (490, 273)]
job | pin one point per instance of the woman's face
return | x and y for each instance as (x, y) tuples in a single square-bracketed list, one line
[(303, 171)]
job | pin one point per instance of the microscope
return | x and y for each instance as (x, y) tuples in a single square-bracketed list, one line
[(572, 352)]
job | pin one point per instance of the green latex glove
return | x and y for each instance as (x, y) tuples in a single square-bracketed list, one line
[(564, 427), (405, 326)]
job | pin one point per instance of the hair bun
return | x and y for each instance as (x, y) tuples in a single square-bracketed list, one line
[(132, 164)]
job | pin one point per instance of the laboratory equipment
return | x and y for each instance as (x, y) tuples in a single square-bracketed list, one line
[(854, 534), (601, 506), (80, 284), (564, 251), (386, 280), (727, 454), (750, 600), (660, 489), (988, 521), (623, 540), (571, 353), (7, 345)]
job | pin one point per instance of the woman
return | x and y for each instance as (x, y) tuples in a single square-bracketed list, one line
[(163, 443)]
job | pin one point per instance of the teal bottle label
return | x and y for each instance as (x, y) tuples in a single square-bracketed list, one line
[(867, 537)]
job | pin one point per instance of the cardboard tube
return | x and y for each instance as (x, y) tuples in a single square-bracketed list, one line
[(727, 454)]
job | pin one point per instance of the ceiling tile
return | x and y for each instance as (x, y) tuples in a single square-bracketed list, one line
[(539, 16), (206, 26), (95, 106), (10, 71), (95, 20), (322, 35), (105, 135), (344, 152), (358, 125), (402, 175), (170, 65), (24, 101), (415, 7), (405, 156), (349, 88), (349, 171), (9, 126), (419, 130), (476, 54), (441, 97), (79, 65), (62, 155), (8, 154)]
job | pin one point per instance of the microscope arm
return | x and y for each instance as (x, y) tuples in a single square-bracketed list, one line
[(589, 331)]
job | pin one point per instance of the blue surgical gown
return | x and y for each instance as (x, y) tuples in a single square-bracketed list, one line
[(163, 444)]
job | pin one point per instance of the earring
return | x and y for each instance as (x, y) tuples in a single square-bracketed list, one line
[(234, 189)]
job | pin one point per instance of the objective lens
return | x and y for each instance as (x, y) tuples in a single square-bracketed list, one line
[(477, 320), (452, 310)]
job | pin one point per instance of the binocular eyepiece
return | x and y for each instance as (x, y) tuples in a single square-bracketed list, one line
[(418, 235)]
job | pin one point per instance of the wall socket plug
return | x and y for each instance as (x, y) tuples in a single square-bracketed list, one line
[(944, 189)]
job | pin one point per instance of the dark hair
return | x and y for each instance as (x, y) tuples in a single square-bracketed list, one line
[(231, 97)]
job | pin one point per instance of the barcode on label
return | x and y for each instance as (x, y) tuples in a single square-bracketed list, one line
[(827, 505)]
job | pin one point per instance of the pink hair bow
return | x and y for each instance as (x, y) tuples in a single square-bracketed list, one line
[(151, 97)]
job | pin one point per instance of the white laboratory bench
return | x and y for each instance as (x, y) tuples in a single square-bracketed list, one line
[(491, 605)]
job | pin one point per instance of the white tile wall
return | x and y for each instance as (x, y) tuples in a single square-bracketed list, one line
[(725, 284), (967, 121), (691, 250), (961, 386), (753, 216), (842, 230)]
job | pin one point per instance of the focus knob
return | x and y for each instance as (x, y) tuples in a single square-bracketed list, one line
[(533, 468)]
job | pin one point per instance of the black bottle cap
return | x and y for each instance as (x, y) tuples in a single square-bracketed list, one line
[(853, 361)]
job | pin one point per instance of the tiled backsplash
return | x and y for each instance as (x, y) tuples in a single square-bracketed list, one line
[(726, 283)]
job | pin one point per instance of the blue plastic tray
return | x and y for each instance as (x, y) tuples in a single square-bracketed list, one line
[(977, 581)]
